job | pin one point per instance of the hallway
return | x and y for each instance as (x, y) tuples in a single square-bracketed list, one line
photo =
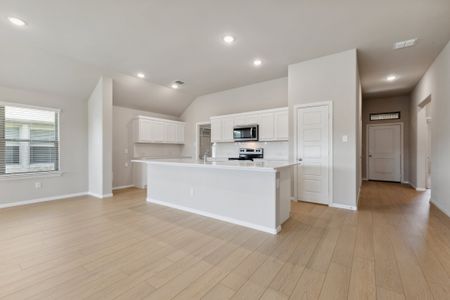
[(410, 244)]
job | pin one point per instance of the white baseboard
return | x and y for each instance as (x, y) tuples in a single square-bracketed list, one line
[(217, 217), (418, 189), (405, 182), (122, 187), (343, 206), (364, 179), (444, 210), (100, 196), (45, 199)]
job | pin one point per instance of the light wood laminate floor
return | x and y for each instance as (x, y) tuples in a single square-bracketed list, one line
[(395, 247)]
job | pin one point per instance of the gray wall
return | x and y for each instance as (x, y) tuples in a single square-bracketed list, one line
[(387, 104), (264, 95), (73, 131), (332, 78), (435, 83), (122, 139)]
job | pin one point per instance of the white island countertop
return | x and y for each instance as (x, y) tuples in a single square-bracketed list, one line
[(260, 165)]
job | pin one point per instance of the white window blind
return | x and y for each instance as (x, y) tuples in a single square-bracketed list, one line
[(29, 140)]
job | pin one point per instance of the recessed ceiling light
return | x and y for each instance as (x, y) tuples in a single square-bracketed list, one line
[(140, 75), (391, 78), (17, 21), (257, 62), (229, 39), (174, 86)]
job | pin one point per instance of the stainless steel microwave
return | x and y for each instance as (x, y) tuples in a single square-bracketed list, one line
[(246, 133)]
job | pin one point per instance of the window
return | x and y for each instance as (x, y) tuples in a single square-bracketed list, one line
[(385, 116), (29, 140)]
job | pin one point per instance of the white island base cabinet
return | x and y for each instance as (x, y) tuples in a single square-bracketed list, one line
[(251, 198)]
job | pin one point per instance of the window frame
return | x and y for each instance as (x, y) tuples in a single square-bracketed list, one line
[(52, 173)]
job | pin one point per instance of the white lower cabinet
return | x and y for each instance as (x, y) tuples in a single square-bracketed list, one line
[(154, 130), (273, 125)]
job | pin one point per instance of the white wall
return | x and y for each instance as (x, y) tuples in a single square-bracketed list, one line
[(73, 134), (388, 104), (332, 78), (122, 143), (264, 95), (100, 139), (435, 83)]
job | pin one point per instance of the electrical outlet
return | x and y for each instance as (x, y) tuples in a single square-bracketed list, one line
[(191, 192), (37, 185), (345, 138), (126, 165)]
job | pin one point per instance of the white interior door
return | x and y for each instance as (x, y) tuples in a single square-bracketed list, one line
[(314, 151), (385, 153)]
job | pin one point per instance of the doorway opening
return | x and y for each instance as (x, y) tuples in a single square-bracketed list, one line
[(424, 142), (203, 134)]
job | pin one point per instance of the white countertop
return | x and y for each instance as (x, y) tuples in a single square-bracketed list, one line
[(261, 165)]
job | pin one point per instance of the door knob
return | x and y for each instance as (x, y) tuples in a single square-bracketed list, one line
[(300, 159)]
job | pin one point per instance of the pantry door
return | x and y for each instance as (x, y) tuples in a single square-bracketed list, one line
[(314, 153)]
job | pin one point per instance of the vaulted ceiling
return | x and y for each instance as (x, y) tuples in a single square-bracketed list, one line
[(67, 45)]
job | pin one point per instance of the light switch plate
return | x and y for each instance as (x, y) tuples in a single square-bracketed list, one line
[(345, 138)]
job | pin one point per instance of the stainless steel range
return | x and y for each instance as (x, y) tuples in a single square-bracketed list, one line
[(249, 154)]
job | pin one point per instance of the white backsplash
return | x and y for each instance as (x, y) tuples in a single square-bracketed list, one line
[(272, 150)]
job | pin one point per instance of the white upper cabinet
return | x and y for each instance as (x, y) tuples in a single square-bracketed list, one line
[(216, 130), (266, 127), (171, 133), (273, 125), (154, 130), (245, 120), (282, 125), (158, 132), (180, 133), (227, 129)]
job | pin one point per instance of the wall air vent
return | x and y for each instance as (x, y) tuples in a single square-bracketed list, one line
[(385, 116), (405, 44)]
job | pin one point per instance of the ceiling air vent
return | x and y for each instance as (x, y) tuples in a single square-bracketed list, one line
[(405, 44)]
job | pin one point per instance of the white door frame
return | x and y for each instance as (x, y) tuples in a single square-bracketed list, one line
[(197, 137), (402, 155), (329, 104)]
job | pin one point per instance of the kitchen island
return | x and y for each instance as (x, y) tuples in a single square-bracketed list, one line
[(252, 194)]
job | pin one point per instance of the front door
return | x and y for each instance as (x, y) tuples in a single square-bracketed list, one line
[(385, 152), (313, 148)]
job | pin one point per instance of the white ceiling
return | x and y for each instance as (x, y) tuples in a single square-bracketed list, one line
[(69, 43)]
